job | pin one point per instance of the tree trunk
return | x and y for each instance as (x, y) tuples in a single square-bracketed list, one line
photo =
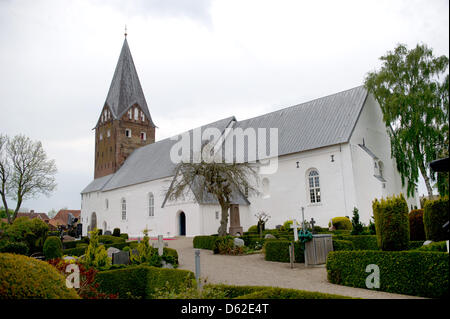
[(423, 171), (224, 219)]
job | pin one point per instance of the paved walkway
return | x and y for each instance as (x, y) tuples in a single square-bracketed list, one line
[(254, 270)]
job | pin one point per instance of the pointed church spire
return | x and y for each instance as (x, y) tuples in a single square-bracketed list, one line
[(125, 89)]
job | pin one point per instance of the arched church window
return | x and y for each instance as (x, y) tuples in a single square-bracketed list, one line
[(128, 132), (124, 209), (106, 203), (314, 186), (151, 205), (136, 113), (130, 115)]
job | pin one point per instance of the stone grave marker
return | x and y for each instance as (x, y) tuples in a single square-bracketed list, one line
[(111, 251), (295, 226), (121, 258)]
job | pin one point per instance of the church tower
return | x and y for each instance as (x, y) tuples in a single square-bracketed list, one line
[(125, 122)]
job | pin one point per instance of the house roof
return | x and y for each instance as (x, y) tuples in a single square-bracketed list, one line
[(326, 121), (125, 89), (31, 215), (62, 216)]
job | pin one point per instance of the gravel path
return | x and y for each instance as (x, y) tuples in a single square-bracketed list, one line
[(254, 270)]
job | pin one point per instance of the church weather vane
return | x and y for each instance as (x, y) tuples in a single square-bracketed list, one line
[(125, 31)]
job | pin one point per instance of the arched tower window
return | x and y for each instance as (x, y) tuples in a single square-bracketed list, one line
[(314, 186), (124, 209), (151, 205), (265, 187)]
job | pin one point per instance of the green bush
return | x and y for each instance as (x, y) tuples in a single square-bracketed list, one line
[(357, 226), (264, 292), (23, 277), (253, 229), (13, 247), (170, 255), (435, 215), (116, 232), (205, 242), (278, 250), (342, 245), (437, 246), (70, 244), (360, 242), (142, 281), (416, 227), (108, 239), (415, 273), (77, 251), (52, 248), (124, 236), (341, 223), (391, 223), (414, 244), (33, 232), (284, 293)]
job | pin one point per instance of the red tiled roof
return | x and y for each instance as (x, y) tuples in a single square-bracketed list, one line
[(61, 217)]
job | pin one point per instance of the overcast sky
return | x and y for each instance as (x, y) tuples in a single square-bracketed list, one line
[(198, 61)]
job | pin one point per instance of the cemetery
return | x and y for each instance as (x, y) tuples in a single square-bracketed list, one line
[(411, 254)]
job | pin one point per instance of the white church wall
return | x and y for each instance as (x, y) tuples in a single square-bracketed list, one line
[(288, 189), (371, 128)]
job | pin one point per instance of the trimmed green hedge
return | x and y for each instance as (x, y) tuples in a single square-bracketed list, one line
[(13, 247), (415, 244), (416, 227), (342, 245), (278, 250), (416, 273), (77, 251), (109, 239), (437, 246), (391, 223), (205, 242), (265, 292), (52, 248), (435, 215), (341, 223), (361, 242), (142, 281)]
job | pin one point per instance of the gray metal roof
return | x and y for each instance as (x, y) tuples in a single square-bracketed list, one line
[(125, 89), (147, 163), (318, 123), (322, 122)]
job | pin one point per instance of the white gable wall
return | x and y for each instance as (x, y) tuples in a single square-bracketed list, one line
[(371, 128)]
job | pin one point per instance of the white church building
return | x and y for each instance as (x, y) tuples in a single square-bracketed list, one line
[(333, 155)]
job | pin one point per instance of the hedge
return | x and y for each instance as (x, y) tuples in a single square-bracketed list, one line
[(416, 227), (278, 250), (361, 242), (52, 248), (77, 251), (142, 281), (342, 245), (341, 223), (205, 242), (415, 273), (23, 277), (265, 292), (437, 246), (109, 239), (13, 247), (71, 244), (391, 223), (415, 244), (435, 215)]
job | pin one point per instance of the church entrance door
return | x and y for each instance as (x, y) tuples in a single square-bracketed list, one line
[(182, 224)]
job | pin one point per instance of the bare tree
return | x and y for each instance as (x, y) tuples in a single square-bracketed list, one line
[(221, 180), (25, 171)]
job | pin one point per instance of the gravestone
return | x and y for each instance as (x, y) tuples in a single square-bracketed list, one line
[(238, 242), (121, 258), (235, 222), (277, 227), (111, 251), (295, 227), (269, 236), (427, 242), (312, 222), (160, 245), (108, 233), (166, 264)]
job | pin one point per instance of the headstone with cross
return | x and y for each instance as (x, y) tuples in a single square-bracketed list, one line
[(160, 245), (312, 222), (295, 226)]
